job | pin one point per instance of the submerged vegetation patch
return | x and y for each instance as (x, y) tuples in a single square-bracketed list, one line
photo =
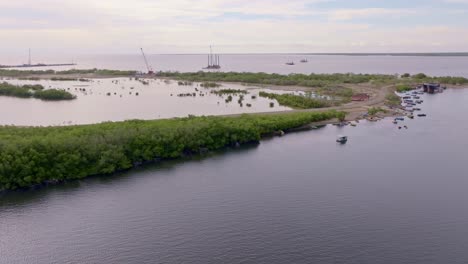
[(229, 91), (37, 155)]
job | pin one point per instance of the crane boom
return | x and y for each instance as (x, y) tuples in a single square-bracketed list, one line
[(150, 69)]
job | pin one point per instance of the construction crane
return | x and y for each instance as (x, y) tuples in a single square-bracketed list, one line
[(150, 69)]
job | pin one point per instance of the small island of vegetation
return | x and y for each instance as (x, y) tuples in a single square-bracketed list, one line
[(35, 155), (34, 91)]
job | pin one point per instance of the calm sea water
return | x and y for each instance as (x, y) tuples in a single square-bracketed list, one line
[(271, 63), (388, 196)]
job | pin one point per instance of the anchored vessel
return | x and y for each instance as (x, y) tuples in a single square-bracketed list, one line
[(213, 61), (342, 139)]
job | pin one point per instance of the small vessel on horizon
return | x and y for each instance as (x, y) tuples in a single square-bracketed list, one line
[(304, 61), (290, 63)]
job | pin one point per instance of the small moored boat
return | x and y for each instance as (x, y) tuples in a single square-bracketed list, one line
[(342, 139)]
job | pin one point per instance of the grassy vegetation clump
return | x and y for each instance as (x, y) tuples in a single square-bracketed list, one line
[(209, 85), (63, 79), (309, 80), (401, 88), (296, 101), (449, 80), (336, 91), (53, 95), (36, 155), (182, 83), (375, 110), (392, 100), (7, 89), (34, 91), (229, 91)]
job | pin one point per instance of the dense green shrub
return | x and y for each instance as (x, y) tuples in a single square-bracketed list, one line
[(420, 76), (296, 101), (401, 88), (53, 95), (36, 155), (36, 91), (7, 89)]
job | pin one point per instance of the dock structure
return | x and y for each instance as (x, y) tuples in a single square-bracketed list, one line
[(31, 65), (432, 88), (213, 61), (36, 65)]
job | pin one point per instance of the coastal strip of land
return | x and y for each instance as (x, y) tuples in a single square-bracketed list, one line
[(380, 88), (31, 156)]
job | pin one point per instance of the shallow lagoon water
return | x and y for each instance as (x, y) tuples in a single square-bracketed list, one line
[(156, 100), (388, 196)]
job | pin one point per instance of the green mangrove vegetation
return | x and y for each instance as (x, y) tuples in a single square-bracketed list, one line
[(37, 155), (34, 91), (229, 91), (296, 101), (308, 80)]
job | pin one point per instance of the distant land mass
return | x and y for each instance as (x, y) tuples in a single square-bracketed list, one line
[(425, 54)]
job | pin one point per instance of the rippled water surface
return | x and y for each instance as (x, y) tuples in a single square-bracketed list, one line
[(388, 196)]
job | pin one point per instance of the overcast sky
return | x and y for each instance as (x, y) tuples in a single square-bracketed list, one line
[(233, 26)]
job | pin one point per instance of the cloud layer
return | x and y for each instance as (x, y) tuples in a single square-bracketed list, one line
[(234, 26)]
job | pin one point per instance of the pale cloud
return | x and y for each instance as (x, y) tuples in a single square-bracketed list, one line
[(348, 14), (166, 26)]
